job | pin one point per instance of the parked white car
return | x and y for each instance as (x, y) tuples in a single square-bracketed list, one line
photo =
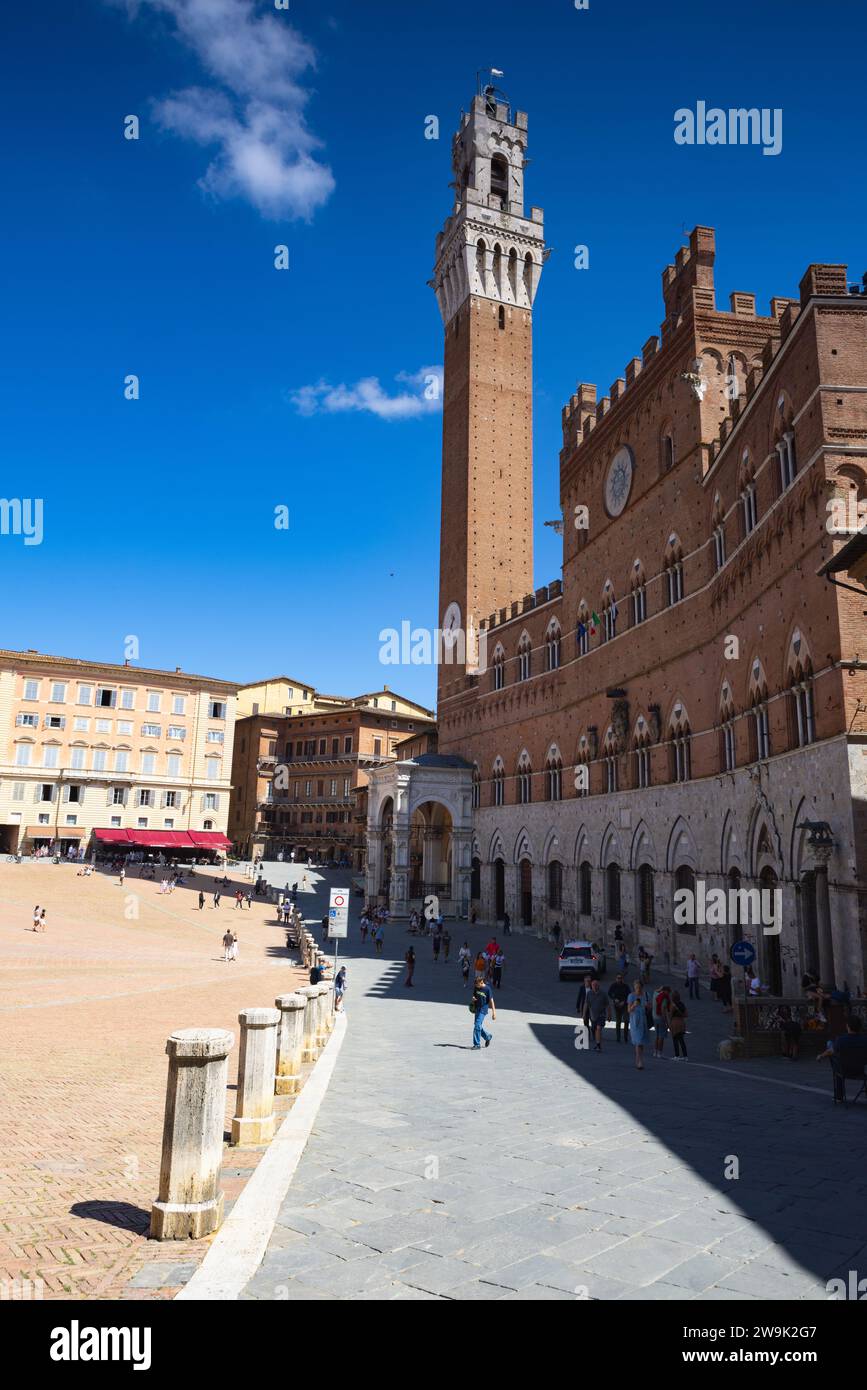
[(580, 958)]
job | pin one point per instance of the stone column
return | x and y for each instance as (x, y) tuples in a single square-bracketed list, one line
[(310, 994), (322, 1015), (254, 1112), (290, 1043), (823, 925), (190, 1203)]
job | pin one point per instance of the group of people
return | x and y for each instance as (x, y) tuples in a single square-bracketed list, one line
[(38, 918), (373, 922), (636, 1012)]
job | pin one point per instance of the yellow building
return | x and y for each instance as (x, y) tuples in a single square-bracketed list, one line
[(93, 753)]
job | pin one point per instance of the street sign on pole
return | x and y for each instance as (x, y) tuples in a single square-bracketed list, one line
[(338, 913), (743, 953)]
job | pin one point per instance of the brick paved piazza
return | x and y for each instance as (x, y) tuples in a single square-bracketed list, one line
[(530, 1170), (85, 1011)]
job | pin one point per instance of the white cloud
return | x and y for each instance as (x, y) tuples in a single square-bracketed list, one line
[(368, 395), (254, 112)]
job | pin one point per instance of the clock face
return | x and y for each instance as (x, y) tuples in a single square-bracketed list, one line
[(451, 623), (618, 481)]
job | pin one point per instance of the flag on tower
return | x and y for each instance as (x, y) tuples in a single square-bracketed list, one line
[(594, 624), (582, 629)]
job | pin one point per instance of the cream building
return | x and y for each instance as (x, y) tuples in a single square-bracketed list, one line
[(96, 753)]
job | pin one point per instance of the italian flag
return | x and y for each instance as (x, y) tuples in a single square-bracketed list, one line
[(594, 624)]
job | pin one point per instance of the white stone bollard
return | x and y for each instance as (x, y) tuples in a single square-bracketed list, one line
[(290, 1044), (311, 1020), (254, 1113), (322, 1015), (190, 1203)]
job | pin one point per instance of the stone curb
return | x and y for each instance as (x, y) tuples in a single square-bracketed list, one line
[(240, 1244)]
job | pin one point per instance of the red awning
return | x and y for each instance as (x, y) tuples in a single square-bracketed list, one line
[(113, 837), (160, 839), (209, 839)]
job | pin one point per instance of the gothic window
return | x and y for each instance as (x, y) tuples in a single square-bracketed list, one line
[(501, 317), (610, 758), (802, 728), (759, 725), (612, 892), (499, 668), (719, 534), (666, 449), (524, 654), (582, 630), (555, 884), (747, 496), (681, 756), (554, 776), (784, 444), (638, 594), (643, 767), (609, 613), (500, 180), (552, 646), (646, 914), (727, 747), (673, 572), (498, 783), (585, 889), (477, 786), (524, 779)]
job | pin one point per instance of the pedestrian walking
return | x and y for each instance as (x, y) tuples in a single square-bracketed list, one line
[(464, 957), (692, 969), (716, 971), (239, 898), (217, 896), (724, 989), (555, 932), (497, 972), (677, 1024), (480, 962), (410, 967), (481, 1003), (638, 1030), (379, 937), (36, 918), (249, 898), (507, 924), (661, 1007), (583, 991), (447, 945), (437, 943), (618, 994), (339, 989), (234, 946), (122, 875), (42, 919), (201, 900), (227, 945), (597, 1012), (363, 928)]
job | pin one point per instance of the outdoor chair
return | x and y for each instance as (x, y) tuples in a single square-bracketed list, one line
[(850, 1068)]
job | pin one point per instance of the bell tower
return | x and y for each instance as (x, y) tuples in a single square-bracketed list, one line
[(489, 258)]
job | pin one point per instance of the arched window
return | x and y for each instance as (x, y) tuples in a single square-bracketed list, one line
[(681, 757), (524, 779), (666, 449), (612, 892), (646, 911), (555, 884), (498, 783), (554, 775), (802, 727), (609, 753), (500, 180), (759, 724), (477, 786), (643, 763), (585, 889), (499, 667), (673, 567), (684, 881), (501, 317), (719, 534), (784, 444), (524, 657), (638, 594), (727, 745), (609, 612), (582, 629), (747, 495), (552, 646)]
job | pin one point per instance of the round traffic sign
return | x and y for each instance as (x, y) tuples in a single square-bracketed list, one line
[(339, 900), (743, 953)]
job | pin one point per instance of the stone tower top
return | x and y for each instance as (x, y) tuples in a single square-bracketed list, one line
[(488, 248)]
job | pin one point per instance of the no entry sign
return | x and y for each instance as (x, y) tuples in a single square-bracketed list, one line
[(338, 913)]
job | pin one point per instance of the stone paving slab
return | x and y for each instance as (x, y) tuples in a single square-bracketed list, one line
[(530, 1171)]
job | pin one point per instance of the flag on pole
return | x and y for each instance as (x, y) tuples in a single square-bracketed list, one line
[(594, 624), (582, 629)]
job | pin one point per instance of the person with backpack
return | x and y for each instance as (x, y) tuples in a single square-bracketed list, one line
[(481, 1002), (661, 1015), (677, 1024)]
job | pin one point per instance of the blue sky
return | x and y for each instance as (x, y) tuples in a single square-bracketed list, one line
[(155, 257)]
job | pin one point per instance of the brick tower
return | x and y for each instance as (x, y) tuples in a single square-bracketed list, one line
[(488, 262)]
